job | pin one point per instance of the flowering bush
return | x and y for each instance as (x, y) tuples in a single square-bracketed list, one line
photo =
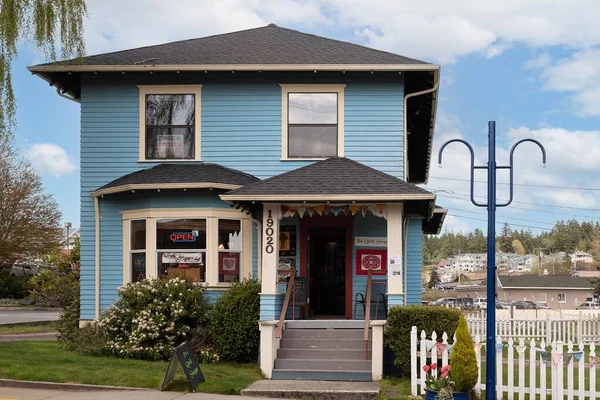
[(436, 379), (153, 316)]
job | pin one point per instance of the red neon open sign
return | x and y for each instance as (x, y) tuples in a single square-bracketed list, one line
[(182, 237)]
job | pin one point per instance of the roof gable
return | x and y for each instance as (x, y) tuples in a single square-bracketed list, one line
[(265, 45), (333, 177)]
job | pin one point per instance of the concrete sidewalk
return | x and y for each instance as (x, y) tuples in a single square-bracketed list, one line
[(39, 394)]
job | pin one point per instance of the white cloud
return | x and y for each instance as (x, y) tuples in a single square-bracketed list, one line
[(50, 159), (541, 61), (496, 50), (453, 224)]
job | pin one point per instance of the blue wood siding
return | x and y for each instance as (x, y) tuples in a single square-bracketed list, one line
[(414, 261), (240, 128)]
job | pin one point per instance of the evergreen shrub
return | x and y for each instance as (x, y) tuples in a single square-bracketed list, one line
[(463, 360)]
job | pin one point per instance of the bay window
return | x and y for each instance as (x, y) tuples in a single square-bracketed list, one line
[(137, 253), (230, 249)]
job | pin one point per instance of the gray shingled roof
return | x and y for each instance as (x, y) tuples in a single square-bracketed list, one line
[(333, 176), (545, 281), (183, 174), (265, 45)]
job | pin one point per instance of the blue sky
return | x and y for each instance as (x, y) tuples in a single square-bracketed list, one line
[(532, 66)]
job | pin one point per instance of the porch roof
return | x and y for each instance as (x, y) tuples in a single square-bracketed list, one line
[(332, 180), (433, 225), (179, 176)]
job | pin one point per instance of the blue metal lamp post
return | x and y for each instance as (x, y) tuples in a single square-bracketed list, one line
[(490, 354)]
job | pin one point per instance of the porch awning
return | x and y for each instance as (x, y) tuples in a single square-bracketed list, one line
[(335, 180), (433, 225), (179, 176)]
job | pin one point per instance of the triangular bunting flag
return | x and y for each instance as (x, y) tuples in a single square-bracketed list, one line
[(364, 210), (450, 348), (567, 358), (577, 355), (292, 212), (345, 209), (354, 209), (477, 347), (336, 210), (440, 348), (380, 210), (319, 209), (284, 211), (310, 211), (498, 347), (545, 356), (556, 357), (429, 344), (301, 211), (326, 209)]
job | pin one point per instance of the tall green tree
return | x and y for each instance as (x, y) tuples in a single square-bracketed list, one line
[(504, 242), (47, 24)]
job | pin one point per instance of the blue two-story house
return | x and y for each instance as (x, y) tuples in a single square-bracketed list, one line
[(260, 154)]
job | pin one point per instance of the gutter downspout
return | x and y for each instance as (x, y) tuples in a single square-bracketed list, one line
[(97, 254), (64, 96), (258, 244), (408, 96)]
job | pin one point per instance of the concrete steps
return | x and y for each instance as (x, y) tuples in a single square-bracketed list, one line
[(323, 350), (314, 389)]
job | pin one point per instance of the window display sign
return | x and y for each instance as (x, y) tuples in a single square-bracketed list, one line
[(287, 241), (182, 258), (374, 260), (362, 241), (229, 263), (170, 144), (178, 237)]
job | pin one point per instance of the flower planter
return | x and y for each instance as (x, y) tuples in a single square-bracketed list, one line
[(431, 395)]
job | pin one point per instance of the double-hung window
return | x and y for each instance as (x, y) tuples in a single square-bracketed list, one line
[(169, 123), (137, 250), (562, 297), (313, 121), (181, 248)]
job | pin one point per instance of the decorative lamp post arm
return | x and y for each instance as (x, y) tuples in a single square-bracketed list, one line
[(510, 167), (472, 167)]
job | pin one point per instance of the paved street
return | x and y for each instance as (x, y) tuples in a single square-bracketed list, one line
[(17, 316), (36, 394)]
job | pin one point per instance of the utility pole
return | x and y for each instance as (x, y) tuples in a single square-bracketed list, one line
[(539, 259), (491, 205)]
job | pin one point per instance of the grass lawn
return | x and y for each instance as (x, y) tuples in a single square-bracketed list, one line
[(27, 329), (47, 361), (395, 389)]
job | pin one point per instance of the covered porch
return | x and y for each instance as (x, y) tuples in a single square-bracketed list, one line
[(335, 225)]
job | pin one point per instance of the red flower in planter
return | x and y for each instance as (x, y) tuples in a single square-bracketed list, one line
[(434, 366), (426, 368)]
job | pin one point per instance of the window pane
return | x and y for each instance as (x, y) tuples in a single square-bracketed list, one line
[(170, 109), (138, 235), (181, 234), (169, 142), (312, 108), (312, 141), (138, 267), (191, 265), (230, 237)]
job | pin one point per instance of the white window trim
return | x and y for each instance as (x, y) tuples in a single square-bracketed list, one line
[(170, 89), (151, 215), (562, 301), (286, 89)]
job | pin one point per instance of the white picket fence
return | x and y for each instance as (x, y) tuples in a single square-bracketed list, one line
[(553, 378), (575, 328)]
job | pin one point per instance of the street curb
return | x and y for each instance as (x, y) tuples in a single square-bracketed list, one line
[(31, 323), (29, 308), (70, 387)]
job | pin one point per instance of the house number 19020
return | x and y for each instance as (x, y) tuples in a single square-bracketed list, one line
[(269, 231)]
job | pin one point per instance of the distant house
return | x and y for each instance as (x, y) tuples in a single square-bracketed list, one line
[(466, 262), (556, 291), (581, 257), (69, 242)]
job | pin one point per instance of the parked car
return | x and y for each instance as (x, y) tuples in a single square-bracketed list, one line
[(464, 302), (543, 306), (480, 303), (503, 304), (525, 305), (444, 302), (589, 305)]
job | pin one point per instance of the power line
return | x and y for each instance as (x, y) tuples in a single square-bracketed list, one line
[(501, 222), (517, 184), (516, 219), (520, 202)]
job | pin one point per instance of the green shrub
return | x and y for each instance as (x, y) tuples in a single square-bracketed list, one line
[(463, 361), (68, 322), (57, 287), (234, 322), (153, 316), (400, 321), (13, 287)]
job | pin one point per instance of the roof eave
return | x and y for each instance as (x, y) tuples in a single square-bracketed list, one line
[(328, 197), (157, 186), (231, 67)]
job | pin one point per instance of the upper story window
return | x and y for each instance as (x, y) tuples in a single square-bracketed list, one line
[(170, 123), (313, 121)]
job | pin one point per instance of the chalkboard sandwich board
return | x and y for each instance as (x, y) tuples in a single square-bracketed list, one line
[(184, 356), (299, 298)]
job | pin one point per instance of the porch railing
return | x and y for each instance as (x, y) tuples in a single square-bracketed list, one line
[(368, 312), (286, 303)]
